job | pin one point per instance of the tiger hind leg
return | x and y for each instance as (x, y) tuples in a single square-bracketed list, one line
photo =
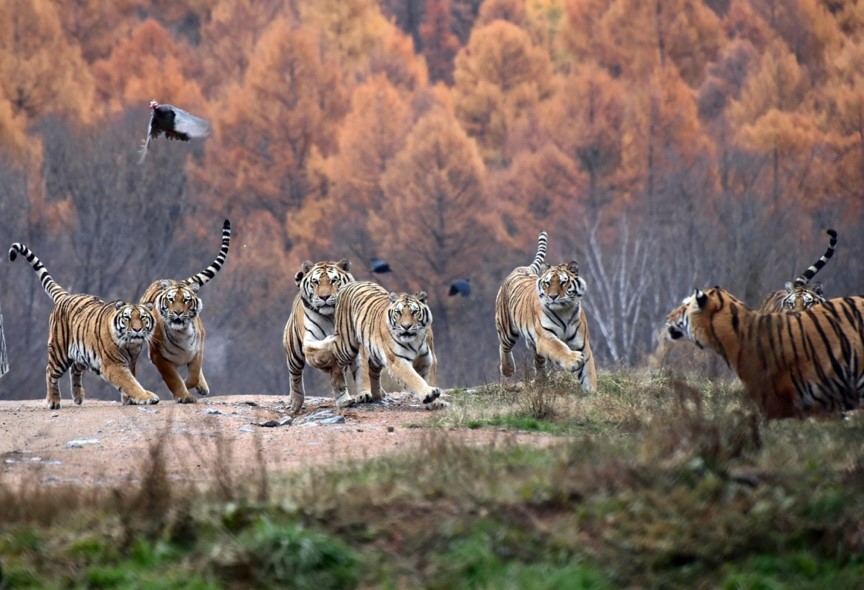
[(507, 366), (52, 377), (76, 374)]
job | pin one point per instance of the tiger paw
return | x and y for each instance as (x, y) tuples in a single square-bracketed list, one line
[(345, 400), (147, 399), (575, 362), (297, 402), (438, 404), (53, 404), (186, 399), (433, 395), (364, 397)]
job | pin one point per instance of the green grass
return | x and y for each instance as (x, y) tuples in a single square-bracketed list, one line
[(653, 481)]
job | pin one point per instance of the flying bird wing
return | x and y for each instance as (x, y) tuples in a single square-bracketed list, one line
[(146, 144), (190, 125)]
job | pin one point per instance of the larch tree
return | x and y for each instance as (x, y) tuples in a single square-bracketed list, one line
[(41, 71), (434, 218), (371, 135), (499, 77), (439, 42), (149, 64), (289, 105), (96, 25), (228, 40)]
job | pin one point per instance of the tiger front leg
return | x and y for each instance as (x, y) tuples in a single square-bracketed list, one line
[(171, 377), (556, 351), (588, 374), (507, 367), (195, 379), (131, 392), (404, 372)]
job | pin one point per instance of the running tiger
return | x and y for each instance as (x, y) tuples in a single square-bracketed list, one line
[(85, 332), (792, 364), (544, 305), (798, 296), (178, 339), (377, 329), (310, 322)]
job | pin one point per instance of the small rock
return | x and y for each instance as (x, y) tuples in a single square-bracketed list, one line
[(54, 414), (390, 429), (213, 411), (147, 410), (333, 420), (82, 442), (246, 428)]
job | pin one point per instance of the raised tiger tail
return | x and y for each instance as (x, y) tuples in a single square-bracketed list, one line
[(538, 266), (51, 287), (208, 273), (817, 266)]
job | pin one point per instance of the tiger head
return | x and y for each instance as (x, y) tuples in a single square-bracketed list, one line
[(800, 297), (179, 304), (320, 283), (678, 322), (132, 324), (408, 316), (561, 287)]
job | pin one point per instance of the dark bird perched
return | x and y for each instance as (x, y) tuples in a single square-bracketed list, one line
[(175, 123), (460, 287), (379, 266)]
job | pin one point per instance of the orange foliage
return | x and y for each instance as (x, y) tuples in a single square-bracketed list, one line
[(41, 72), (439, 43), (499, 74), (96, 25), (149, 64), (436, 214)]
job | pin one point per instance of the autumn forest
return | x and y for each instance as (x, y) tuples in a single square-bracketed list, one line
[(662, 144)]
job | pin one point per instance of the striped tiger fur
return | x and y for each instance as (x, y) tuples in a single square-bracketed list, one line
[(377, 329), (544, 305), (792, 364), (85, 332), (310, 322), (178, 339), (799, 295)]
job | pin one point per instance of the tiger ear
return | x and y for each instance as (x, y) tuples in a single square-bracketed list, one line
[(344, 264), (701, 298), (149, 305), (393, 297), (304, 268), (118, 304), (164, 284), (788, 286), (817, 288), (573, 267), (195, 287), (421, 296)]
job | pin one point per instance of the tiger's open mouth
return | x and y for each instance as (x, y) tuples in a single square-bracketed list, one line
[(675, 333)]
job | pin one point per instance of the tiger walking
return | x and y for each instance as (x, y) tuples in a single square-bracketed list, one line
[(85, 332)]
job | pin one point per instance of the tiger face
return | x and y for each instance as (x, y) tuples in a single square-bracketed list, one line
[(320, 283), (132, 324), (179, 305), (801, 297), (677, 322), (408, 316), (560, 286)]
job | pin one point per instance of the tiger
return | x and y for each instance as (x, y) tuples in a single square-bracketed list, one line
[(178, 339), (792, 364), (85, 332), (377, 329), (311, 321), (798, 296), (544, 305)]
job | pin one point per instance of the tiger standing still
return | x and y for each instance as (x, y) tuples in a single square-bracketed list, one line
[(377, 329), (311, 321), (178, 339), (800, 295), (543, 304), (85, 332), (792, 364)]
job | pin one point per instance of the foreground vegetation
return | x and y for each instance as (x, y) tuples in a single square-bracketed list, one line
[(651, 482)]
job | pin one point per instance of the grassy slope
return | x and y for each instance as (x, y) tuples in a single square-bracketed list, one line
[(655, 483)]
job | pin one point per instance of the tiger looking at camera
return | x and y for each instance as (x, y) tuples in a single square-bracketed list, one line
[(85, 332), (178, 340), (311, 321), (799, 294), (543, 304)]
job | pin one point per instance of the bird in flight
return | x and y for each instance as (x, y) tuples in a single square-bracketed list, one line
[(460, 287), (175, 123), (379, 266)]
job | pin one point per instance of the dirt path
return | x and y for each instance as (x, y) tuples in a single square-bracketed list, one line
[(105, 443)]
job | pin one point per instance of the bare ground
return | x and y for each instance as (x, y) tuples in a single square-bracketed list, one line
[(114, 441)]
